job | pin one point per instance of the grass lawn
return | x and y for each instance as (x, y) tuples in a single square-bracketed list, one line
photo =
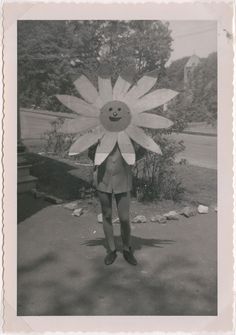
[(200, 184)]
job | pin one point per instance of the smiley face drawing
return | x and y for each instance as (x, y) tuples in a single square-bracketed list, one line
[(115, 115)]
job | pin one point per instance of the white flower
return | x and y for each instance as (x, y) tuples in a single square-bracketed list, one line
[(115, 114)]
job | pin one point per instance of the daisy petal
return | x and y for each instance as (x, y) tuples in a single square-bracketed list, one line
[(142, 86), (139, 136), (105, 147), (126, 148), (78, 106), (78, 125), (86, 89), (154, 100), (85, 141), (151, 121), (123, 83)]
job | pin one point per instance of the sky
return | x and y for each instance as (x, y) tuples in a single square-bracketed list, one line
[(193, 37)]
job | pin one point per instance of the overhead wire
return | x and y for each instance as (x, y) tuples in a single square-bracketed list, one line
[(194, 33)]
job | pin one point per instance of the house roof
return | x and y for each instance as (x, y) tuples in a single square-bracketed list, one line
[(193, 61)]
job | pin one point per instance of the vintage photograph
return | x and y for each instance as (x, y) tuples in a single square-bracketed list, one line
[(117, 167)]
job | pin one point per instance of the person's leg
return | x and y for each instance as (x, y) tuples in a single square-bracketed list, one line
[(106, 206), (123, 204)]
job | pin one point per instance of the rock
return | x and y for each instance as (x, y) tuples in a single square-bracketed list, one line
[(71, 205), (139, 219), (52, 199), (188, 211), (116, 220), (144, 272), (159, 219), (202, 209), (172, 215), (99, 218), (78, 212)]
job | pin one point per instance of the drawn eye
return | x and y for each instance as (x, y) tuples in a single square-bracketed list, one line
[(119, 109), (110, 109)]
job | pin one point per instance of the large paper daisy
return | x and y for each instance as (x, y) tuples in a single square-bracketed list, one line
[(114, 115)]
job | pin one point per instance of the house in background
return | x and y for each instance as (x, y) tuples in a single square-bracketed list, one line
[(189, 67)]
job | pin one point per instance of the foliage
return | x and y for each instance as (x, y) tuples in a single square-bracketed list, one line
[(57, 142), (175, 75), (51, 54), (154, 175), (204, 88), (178, 112)]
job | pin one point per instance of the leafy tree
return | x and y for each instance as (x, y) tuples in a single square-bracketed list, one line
[(51, 54), (46, 51), (204, 89), (175, 74), (146, 44)]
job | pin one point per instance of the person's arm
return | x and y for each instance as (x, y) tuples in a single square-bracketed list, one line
[(91, 152), (91, 155), (139, 151)]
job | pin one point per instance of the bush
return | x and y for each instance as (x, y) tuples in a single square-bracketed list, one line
[(57, 142), (155, 176)]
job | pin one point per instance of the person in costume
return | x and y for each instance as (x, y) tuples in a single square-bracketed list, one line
[(114, 176), (110, 120)]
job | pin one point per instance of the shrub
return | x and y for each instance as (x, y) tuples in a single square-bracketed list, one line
[(155, 176), (57, 142)]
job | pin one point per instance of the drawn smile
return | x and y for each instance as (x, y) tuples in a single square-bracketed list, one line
[(112, 118)]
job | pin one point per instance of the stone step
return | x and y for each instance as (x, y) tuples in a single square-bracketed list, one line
[(23, 170), (26, 183)]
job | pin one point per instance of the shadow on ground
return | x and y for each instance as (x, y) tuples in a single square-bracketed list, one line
[(54, 177), (168, 287), (27, 206), (137, 242)]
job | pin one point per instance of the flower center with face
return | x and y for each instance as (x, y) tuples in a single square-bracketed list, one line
[(115, 116)]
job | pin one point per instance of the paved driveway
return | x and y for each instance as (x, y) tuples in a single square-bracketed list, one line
[(61, 269)]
